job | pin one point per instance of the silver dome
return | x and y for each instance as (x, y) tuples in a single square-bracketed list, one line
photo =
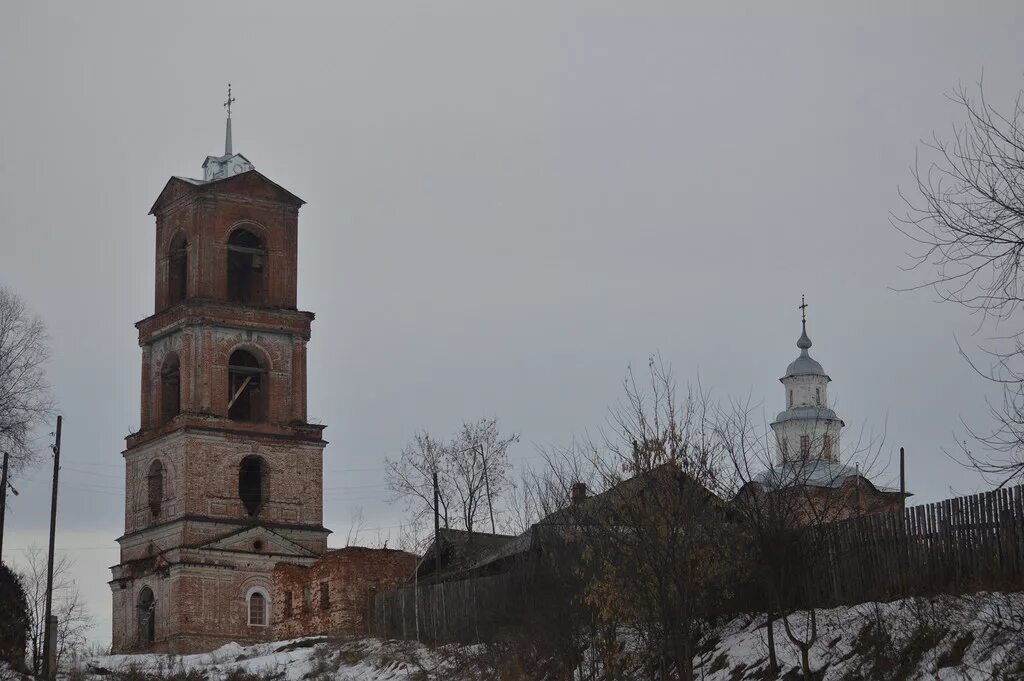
[(804, 365)]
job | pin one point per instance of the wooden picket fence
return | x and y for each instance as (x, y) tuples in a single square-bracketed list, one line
[(467, 610), (952, 546)]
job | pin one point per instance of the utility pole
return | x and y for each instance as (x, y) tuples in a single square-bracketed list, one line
[(3, 504), (903, 482), (50, 636), (437, 527), (487, 487)]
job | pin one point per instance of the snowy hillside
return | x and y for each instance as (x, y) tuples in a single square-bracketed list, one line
[(977, 637), (310, 658)]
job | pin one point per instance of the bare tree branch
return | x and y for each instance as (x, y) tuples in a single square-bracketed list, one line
[(25, 400)]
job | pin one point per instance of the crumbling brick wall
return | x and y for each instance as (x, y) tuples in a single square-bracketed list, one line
[(351, 577)]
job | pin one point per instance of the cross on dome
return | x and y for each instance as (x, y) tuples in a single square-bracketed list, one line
[(804, 342)]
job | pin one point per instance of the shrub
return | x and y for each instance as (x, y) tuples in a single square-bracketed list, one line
[(14, 623)]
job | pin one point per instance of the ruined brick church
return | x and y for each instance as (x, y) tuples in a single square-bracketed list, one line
[(223, 480)]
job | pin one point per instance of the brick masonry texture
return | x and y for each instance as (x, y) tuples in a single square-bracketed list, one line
[(352, 577)]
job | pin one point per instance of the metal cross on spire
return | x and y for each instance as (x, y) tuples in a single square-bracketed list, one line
[(227, 131), (230, 101), (803, 309)]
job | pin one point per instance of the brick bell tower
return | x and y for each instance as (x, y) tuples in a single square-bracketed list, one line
[(224, 478)]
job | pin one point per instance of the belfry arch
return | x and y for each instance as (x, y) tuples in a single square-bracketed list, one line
[(246, 267)]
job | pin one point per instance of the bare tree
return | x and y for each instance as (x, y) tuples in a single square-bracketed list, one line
[(24, 393), (658, 552), (73, 620), (411, 477), (478, 470), (533, 495), (967, 221), (471, 470), (356, 526), (787, 507)]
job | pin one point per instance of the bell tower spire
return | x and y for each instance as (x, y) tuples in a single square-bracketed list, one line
[(222, 167), (227, 132)]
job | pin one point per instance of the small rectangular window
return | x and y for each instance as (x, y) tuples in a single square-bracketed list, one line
[(805, 446), (288, 603), (828, 447), (307, 598), (817, 396), (325, 596)]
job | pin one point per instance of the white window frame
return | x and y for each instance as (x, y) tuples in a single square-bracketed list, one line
[(266, 606)]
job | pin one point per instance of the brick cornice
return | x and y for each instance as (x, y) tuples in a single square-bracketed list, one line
[(200, 312), (237, 524), (195, 422)]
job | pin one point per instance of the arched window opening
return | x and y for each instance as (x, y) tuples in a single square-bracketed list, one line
[(170, 388), (177, 270), (247, 400), (828, 447), (147, 616), (252, 484), (155, 480), (246, 260), (257, 609)]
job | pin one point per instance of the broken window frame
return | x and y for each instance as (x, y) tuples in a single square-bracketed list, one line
[(246, 267), (247, 393)]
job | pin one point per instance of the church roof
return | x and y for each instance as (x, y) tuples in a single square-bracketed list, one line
[(804, 365), (808, 414), (250, 179), (812, 473)]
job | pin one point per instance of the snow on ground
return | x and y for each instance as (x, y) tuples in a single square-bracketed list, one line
[(971, 637), (946, 638), (306, 658)]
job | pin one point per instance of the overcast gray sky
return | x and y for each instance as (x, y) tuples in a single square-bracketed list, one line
[(508, 204)]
